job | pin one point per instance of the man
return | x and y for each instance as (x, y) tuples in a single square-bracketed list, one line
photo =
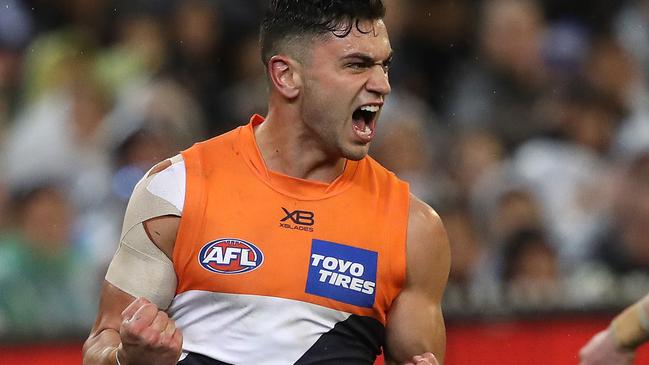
[(282, 242), (616, 345)]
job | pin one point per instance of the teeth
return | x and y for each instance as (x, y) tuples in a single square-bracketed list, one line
[(370, 108)]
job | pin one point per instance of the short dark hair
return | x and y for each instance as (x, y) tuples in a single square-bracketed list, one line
[(290, 19)]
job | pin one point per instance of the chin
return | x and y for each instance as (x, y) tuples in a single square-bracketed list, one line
[(356, 153)]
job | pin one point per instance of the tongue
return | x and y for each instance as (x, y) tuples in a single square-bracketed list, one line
[(359, 123), (360, 127), (365, 132)]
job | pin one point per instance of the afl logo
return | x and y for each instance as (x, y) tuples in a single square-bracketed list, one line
[(230, 256)]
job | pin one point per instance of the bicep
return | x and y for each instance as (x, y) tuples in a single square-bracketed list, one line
[(415, 320)]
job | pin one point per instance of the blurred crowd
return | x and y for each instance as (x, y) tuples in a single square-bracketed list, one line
[(524, 123)]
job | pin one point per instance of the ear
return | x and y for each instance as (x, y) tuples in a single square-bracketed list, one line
[(285, 76)]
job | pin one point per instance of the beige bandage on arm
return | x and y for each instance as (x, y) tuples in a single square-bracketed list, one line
[(139, 267), (630, 328)]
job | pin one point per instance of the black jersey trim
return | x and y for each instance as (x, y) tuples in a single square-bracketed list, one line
[(198, 359), (355, 341)]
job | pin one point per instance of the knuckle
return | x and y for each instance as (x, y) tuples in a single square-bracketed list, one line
[(135, 336), (151, 338), (150, 307), (132, 326), (127, 330)]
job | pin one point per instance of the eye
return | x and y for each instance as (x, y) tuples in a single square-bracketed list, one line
[(358, 65), (386, 66)]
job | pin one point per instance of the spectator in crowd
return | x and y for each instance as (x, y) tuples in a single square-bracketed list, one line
[(198, 60), (15, 29), (623, 247), (502, 203), (472, 154), (137, 55), (502, 206), (38, 264), (531, 271), (248, 95), (614, 72), (59, 128), (500, 85), (568, 171), (432, 42), (468, 252), (630, 30)]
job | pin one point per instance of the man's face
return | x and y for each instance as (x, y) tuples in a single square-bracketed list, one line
[(345, 84)]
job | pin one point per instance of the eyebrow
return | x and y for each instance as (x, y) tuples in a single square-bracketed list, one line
[(367, 59)]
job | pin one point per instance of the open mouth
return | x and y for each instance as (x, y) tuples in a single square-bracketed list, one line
[(364, 119)]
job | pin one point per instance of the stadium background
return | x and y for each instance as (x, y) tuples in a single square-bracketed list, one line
[(524, 123)]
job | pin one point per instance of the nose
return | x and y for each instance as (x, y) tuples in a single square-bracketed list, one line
[(378, 81)]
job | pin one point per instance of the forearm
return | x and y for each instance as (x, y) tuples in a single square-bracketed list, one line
[(100, 349), (630, 328)]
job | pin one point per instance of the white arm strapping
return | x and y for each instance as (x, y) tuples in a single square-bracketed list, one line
[(139, 267)]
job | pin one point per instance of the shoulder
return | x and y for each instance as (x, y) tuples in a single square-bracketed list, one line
[(427, 247), (219, 143), (169, 167), (167, 181), (160, 193), (156, 204), (424, 220)]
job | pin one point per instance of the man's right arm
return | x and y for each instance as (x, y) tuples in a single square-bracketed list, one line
[(415, 324), (133, 330), (138, 331)]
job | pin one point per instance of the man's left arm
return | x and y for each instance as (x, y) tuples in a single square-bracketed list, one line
[(415, 324)]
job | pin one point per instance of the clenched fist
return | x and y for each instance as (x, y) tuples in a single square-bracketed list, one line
[(148, 336)]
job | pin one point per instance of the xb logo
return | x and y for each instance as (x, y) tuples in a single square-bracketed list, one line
[(300, 217), (300, 220)]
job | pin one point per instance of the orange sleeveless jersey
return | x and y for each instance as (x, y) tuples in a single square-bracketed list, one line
[(278, 270)]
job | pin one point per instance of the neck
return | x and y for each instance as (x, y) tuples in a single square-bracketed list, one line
[(288, 147)]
